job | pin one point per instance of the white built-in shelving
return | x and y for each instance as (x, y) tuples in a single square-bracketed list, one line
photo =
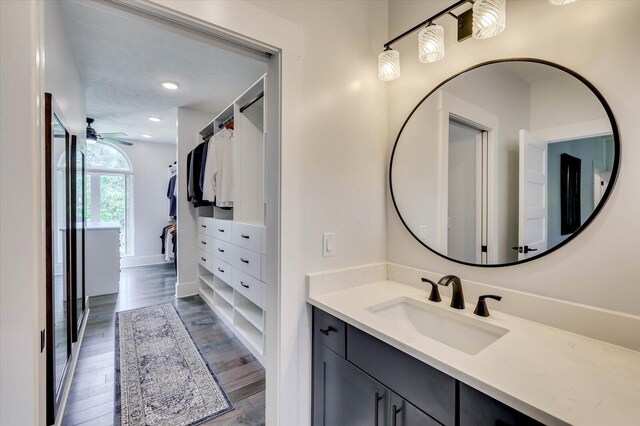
[(231, 247)]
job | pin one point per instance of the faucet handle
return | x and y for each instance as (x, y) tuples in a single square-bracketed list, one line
[(435, 294), (481, 307)]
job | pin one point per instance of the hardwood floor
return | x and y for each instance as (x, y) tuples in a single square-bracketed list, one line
[(92, 392)]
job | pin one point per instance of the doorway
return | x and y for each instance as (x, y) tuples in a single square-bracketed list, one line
[(114, 132), (468, 192)]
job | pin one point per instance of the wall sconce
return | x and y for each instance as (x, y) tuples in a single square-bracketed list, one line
[(486, 19)]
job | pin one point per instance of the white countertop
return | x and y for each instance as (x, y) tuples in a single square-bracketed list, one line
[(554, 376)]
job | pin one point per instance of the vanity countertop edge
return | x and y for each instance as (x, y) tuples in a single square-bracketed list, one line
[(551, 375)]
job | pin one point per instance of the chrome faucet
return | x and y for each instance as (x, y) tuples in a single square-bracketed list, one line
[(457, 298)]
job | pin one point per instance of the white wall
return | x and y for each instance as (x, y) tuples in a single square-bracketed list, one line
[(21, 217), (333, 157), (150, 162), (62, 78), (190, 122), (599, 268)]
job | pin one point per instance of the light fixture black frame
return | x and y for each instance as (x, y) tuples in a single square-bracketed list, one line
[(463, 22), (596, 211)]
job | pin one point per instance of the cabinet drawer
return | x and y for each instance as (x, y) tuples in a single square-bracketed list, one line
[(329, 331), (249, 287), (222, 250), (222, 270), (249, 262), (247, 236), (477, 409), (429, 389), (222, 229), (205, 259), (205, 243), (206, 225)]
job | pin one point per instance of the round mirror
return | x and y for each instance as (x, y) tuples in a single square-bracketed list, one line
[(504, 162)]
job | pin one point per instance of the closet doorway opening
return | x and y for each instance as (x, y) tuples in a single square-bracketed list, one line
[(182, 167)]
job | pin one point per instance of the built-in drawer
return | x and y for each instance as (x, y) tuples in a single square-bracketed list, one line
[(248, 261), (429, 389), (205, 243), (249, 287), (206, 225), (329, 331), (222, 250), (247, 236), (205, 259), (222, 270), (222, 229)]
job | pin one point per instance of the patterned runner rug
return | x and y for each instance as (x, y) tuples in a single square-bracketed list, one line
[(161, 377)]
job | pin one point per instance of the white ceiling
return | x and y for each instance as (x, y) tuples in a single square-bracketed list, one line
[(123, 59)]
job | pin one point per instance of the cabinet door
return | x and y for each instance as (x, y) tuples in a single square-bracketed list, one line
[(478, 409), (343, 395), (404, 413)]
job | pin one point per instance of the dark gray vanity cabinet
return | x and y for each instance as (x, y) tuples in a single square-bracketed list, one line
[(478, 409), (344, 395), (360, 380)]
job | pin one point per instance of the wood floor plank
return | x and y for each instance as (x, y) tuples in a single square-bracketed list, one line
[(91, 400)]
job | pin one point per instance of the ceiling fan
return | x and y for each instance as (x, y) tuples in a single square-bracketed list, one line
[(93, 136)]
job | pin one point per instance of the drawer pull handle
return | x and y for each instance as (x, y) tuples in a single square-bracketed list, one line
[(220, 250), (204, 242), (221, 270), (244, 236), (203, 259), (220, 230), (375, 416), (204, 226), (243, 260), (394, 419), (328, 330), (243, 284)]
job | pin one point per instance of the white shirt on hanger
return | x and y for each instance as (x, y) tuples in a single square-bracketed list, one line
[(210, 170), (224, 186)]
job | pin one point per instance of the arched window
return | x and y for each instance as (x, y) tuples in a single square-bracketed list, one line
[(109, 195)]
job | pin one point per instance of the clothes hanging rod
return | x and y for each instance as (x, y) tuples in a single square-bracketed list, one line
[(427, 21), (225, 122), (252, 101)]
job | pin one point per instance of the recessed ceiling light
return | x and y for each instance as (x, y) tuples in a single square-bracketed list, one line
[(154, 118), (146, 135), (169, 85)]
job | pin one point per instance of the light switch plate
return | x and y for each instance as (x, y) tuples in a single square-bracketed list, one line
[(329, 244)]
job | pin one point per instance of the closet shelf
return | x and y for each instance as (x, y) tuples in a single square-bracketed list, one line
[(251, 336), (253, 314), (226, 293), (207, 279)]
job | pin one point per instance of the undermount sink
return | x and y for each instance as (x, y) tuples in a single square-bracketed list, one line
[(453, 329)]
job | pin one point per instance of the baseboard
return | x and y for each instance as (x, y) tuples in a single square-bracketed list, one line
[(133, 261), (187, 289), (75, 352)]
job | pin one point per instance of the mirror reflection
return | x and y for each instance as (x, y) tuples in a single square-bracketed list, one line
[(61, 273), (503, 163)]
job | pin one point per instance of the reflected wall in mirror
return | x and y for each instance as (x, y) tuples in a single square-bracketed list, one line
[(78, 221), (504, 162), (59, 270)]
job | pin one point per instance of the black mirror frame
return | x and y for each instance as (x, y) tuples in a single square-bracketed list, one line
[(596, 211)]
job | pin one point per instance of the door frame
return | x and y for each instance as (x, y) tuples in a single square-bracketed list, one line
[(248, 30), (451, 106)]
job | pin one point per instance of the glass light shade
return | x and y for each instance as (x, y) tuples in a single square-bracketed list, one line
[(489, 18), (431, 44), (560, 2), (389, 65)]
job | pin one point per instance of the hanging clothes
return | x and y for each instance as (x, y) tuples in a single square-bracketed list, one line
[(223, 178), (168, 238), (171, 195), (196, 169), (209, 172), (189, 168)]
